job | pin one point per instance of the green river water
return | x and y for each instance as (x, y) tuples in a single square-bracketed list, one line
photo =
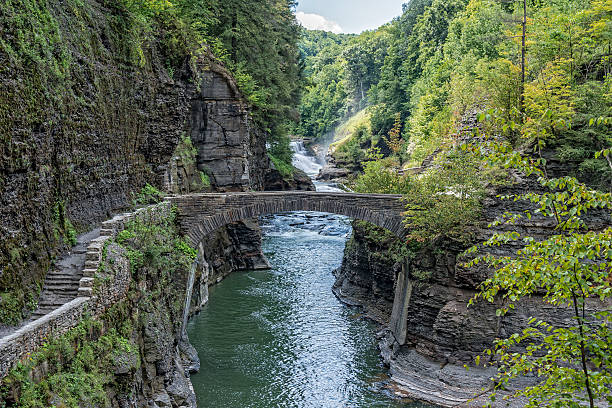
[(280, 338)]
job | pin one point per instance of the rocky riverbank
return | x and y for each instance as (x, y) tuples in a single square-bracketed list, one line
[(107, 126), (442, 333)]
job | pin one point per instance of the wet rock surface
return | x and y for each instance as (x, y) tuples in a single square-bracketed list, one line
[(329, 172), (299, 180), (116, 129)]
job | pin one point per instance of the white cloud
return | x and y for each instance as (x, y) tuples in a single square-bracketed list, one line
[(317, 22)]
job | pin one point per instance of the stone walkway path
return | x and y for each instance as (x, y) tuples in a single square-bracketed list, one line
[(62, 281)]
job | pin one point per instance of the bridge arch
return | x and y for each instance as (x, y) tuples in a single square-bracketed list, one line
[(202, 214)]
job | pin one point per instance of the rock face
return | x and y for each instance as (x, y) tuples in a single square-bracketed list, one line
[(228, 152), (329, 172), (94, 137), (274, 181), (367, 274), (158, 374), (83, 142), (438, 332)]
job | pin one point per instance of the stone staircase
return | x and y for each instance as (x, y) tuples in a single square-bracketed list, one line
[(62, 282)]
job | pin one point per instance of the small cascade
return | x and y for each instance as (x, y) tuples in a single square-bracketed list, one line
[(303, 160)]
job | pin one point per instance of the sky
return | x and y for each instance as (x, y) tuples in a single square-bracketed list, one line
[(347, 16)]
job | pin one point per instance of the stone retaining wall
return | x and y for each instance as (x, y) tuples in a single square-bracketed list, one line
[(26, 340), (29, 338)]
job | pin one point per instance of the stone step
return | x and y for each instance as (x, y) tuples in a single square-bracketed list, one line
[(52, 287), (89, 273), (93, 256), (91, 264), (67, 281), (86, 292), (67, 290), (66, 275), (86, 282), (42, 309), (57, 301), (63, 276)]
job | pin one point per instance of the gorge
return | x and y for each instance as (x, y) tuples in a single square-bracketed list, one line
[(279, 337), (204, 204)]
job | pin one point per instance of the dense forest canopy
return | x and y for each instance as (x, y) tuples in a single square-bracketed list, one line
[(441, 62), (257, 41)]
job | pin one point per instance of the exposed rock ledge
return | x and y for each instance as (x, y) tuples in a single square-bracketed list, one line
[(439, 332), (329, 172), (274, 181)]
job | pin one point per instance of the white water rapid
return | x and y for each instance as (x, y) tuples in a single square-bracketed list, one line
[(303, 160)]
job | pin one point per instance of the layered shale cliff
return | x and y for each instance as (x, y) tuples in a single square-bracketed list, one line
[(428, 343), (94, 104)]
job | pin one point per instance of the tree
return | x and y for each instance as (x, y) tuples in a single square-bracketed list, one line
[(572, 267), (394, 138), (258, 43)]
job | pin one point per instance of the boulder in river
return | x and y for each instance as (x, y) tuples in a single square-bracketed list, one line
[(274, 181), (331, 173)]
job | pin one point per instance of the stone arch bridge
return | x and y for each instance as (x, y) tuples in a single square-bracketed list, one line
[(201, 214)]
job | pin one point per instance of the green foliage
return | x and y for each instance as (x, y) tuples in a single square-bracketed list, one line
[(258, 44), (154, 242), (388, 247), (381, 176), (204, 179), (445, 61), (446, 200), (62, 227), (341, 70), (79, 365), (188, 251), (286, 170), (570, 267), (17, 304), (350, 150), (148, 195), (186, 150), (10, 313)]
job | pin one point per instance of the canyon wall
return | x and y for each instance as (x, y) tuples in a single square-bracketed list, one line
[(441, 333), (92, 107)]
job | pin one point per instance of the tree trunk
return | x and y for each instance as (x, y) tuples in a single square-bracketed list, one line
[(234, 40), (523, 56)]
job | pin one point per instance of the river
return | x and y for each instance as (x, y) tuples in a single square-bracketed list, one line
[(280, 338)]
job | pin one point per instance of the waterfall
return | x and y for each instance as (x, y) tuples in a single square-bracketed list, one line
[(303, 160), (190, 281)]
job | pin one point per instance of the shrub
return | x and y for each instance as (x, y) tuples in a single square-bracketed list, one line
[(148, 195)]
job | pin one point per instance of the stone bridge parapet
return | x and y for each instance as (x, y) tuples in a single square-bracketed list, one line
[(201, 214)]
